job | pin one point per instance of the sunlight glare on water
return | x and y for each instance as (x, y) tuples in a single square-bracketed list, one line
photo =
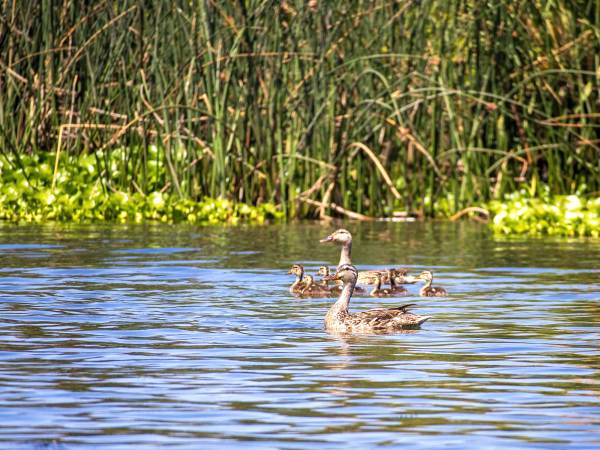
[(126, 337)]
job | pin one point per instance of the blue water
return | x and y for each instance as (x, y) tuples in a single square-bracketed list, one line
[(128, 337)]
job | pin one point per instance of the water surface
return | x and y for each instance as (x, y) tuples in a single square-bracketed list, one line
[(127, 337)]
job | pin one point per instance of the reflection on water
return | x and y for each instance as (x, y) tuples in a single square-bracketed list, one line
[(182, 337)]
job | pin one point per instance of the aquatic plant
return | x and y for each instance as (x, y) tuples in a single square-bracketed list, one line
[(32, 191), (373, 106), (562, 215)]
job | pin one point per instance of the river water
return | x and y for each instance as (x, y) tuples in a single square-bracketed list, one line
[(179, 337)]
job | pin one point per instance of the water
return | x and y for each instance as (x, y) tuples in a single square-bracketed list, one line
[(115, 337)]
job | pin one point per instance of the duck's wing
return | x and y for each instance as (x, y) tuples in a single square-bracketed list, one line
[(404, 308), (393, 318)]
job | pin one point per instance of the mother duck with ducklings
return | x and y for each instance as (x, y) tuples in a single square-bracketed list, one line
[(381, 320)]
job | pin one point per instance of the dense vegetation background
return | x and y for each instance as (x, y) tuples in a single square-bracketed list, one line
[(378, 106)]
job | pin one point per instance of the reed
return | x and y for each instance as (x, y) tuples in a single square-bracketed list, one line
[(376, 106)]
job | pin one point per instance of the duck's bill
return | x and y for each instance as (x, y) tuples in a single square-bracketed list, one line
[(327, 239)]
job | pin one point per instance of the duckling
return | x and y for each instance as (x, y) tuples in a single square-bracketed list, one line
[(428, 290), (299, 284), (339, 319), (377, 291), (314, 289), (394, 276)]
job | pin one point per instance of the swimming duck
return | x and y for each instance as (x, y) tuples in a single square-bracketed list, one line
[(339, 319), (428, 290), (394, 276), (299, 284), (377, 291), (313, 289)]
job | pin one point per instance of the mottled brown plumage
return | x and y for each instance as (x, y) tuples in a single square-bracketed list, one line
[(428, 290), (339, 319)]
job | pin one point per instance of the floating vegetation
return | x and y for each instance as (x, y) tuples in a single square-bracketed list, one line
[(31, 191), (561, 215)]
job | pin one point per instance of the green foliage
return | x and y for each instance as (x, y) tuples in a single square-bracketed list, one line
[(456, 103), (562, 215), (26, 194)]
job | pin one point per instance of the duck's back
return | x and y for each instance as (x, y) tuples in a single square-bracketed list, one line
[(385, 320)]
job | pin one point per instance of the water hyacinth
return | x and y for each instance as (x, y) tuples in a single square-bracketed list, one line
[(27, 194), (560, 215)]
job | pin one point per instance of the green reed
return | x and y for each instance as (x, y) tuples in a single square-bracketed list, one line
[(307, 103)]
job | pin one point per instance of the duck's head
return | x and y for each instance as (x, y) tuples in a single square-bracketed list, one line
[(340, 236), (309, 280), (297, 270), (426, 276), (323, 271), (346, 272)]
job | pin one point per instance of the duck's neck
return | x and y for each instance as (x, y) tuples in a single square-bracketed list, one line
[(392, 281), (341, 306), (324, 282), (425, 288), (296, 283), (346, 255)]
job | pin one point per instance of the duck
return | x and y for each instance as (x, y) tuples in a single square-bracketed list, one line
[(325, 274), (299, 284), (340, 320), (378, 291), (394, 278), (428, 290), (313, 289)]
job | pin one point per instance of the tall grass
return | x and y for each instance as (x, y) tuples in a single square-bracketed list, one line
[(374, 106)]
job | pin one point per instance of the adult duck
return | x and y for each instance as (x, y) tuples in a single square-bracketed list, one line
[(339, 319)]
